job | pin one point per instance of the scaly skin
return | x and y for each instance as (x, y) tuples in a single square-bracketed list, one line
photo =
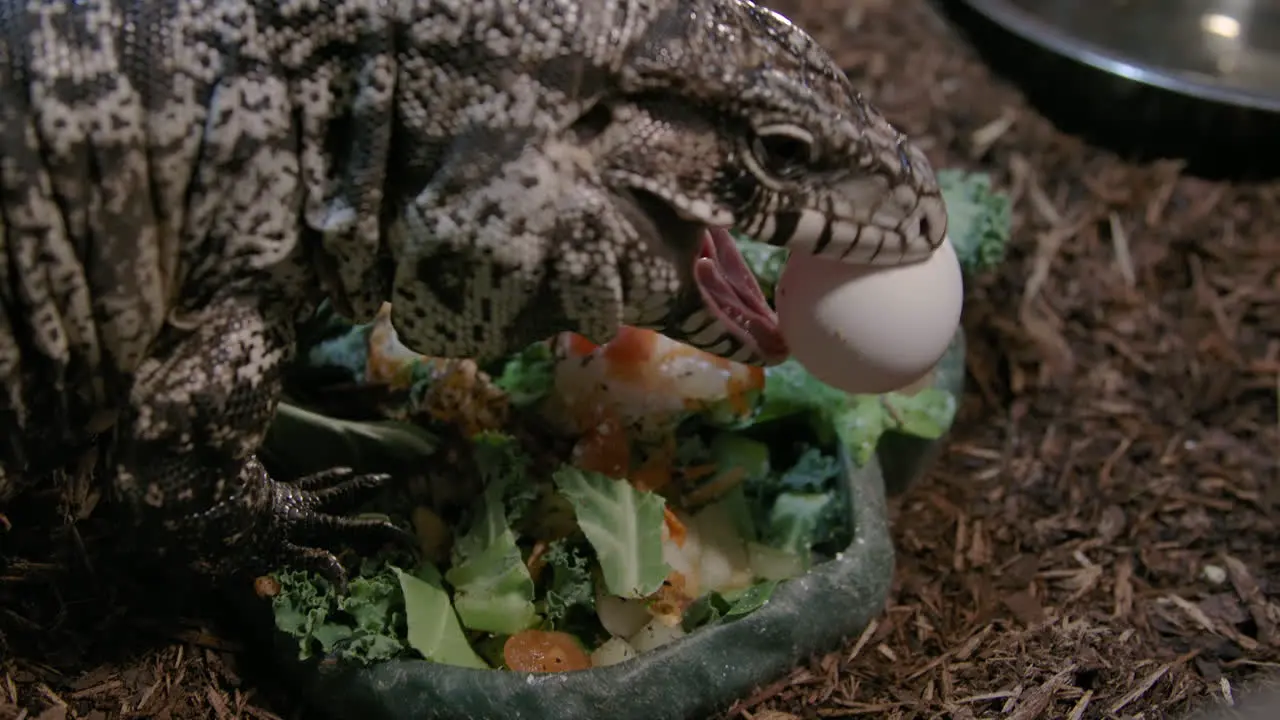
[(181, 182)]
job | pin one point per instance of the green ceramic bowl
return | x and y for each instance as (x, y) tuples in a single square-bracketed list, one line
[(689, 678)]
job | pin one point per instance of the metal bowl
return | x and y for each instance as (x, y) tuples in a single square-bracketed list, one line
[(1197, 79)]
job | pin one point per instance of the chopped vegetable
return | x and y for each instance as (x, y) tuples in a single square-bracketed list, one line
[(611, 652), (654, 635), (723, 564), (434, 536), (357, 627), (493, 591), (764, 260), (544, 651), (529, 376), (500, 460), (812, 472), (769, 563), (620, 617), (858, 420), (432, 626), (623, 525), (979, 221), (570, 584), (795, 519), (715, 607)]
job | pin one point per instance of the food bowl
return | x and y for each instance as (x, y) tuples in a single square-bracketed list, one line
[(690, 678), (1196, 79)]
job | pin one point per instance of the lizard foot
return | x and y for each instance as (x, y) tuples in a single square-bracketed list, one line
[(307, 506), (304, 521)]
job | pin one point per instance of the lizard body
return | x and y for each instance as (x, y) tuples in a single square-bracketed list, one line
[(181, 181)]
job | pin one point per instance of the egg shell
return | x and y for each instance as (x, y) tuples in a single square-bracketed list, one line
[(870, 329), (620, 616), (655, 635), (611, 652)]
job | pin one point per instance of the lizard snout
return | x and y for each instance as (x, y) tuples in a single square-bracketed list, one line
[(868, 223)]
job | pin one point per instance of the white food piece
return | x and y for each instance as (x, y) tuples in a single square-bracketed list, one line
[(620, 616), (724, 564), (611, 652), (685, 560), (654, 635), (870, 330), (773, 564), (716, 571)]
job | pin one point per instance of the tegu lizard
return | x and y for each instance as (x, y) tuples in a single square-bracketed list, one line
[(181, 181)]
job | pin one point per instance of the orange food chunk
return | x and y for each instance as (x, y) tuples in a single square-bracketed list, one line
[(604, 448), (544, 651), (672, 599), (537, 560), (630, 353), (675, 529), (655, 472), (697, 472)]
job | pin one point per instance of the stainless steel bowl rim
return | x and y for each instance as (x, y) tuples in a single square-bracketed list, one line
[(1032, 28)]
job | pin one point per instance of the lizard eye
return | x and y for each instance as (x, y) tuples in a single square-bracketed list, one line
[(783, 151)]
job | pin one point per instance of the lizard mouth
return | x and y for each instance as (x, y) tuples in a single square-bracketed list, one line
[(733, 299), (728, 315)]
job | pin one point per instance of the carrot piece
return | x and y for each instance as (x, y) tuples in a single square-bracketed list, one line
[(544, 651), (675, 529)]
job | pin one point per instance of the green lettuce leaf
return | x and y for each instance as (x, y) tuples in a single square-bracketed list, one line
[(529, 376), (715, 608), (795, 520), (624, 527), (433, 628), (493, 590), (814, 471), (501, 460), (764, 260), (858, 420)]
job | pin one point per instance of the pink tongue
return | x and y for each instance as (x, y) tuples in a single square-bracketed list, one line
[(732, 294)]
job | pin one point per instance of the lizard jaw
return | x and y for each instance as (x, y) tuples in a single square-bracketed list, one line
[(728, 314), (734, 299)]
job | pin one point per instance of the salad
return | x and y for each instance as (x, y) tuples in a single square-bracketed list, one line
[(583, 504)]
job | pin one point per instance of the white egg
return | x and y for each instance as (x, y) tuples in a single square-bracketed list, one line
[(870, 329)]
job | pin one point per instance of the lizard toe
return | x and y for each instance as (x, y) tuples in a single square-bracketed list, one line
[(306, 528), (316, 560), (367, 532), (333, 490), (338, 489), (324, 478)]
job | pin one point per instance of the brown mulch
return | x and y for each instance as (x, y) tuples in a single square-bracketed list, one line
[(1101, 538)]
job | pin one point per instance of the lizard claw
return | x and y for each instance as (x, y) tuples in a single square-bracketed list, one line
[(304, 522), (339, 487), (335, 490), (321, 562), (372, 532)]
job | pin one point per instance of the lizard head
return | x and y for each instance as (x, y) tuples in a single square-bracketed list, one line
[(701, 117), (732, 117)]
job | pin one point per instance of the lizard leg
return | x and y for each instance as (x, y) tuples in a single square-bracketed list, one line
[(536, 248), (199, 409)]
